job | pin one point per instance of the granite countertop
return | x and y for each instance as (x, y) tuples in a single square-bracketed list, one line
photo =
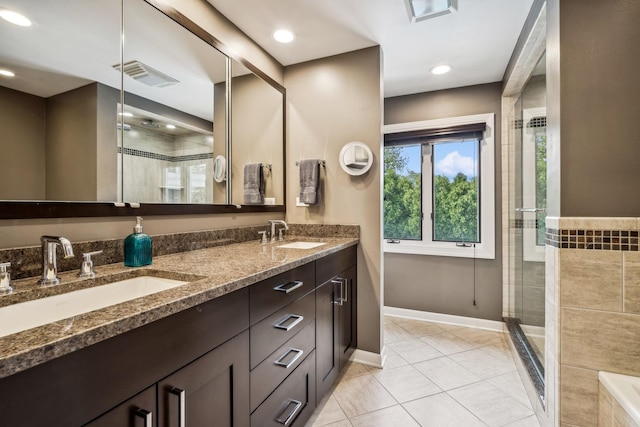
[(210, 272)]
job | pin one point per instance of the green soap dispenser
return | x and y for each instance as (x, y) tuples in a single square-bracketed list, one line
[(137, 247)]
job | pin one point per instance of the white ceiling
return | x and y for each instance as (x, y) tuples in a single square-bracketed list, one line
[(476, 41)]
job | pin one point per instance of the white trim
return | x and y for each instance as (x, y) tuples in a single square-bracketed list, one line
[(369, 358), (449, 319), (486, 249)]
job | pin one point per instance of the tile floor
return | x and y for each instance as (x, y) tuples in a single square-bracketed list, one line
[(435, 375)]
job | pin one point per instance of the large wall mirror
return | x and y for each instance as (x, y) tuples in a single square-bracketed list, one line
[(86, 125)]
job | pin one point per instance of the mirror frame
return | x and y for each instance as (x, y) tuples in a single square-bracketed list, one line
[(62, 209)]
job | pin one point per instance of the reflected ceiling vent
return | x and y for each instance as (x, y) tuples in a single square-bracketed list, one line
[(419, 10), (146, 74)]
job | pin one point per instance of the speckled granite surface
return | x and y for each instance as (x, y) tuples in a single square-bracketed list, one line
[(212, 272), (27, 262)]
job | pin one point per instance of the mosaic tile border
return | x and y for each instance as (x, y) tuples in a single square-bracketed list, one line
[(157, 156), (600, 240)]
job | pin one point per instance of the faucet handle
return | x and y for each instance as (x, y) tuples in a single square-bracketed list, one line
[(86, 269), (5, 278)]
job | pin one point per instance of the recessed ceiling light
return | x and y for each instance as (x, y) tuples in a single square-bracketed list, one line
[(440, 69), (7, 73), (283, 36), (171, 126), (15, 18)]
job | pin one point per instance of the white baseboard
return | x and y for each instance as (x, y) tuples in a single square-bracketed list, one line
[(536, 331), (370, 359), (449, 319)]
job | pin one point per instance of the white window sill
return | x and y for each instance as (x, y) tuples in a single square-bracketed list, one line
[(448, 250)]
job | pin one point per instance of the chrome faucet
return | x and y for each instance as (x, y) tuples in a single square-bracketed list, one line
[(49, 267), (273, 223)]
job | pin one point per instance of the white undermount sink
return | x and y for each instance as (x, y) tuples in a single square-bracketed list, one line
[(301, 245), (30, 314)]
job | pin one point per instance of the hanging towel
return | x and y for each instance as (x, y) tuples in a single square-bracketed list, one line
[(253, 184), (309, 181)]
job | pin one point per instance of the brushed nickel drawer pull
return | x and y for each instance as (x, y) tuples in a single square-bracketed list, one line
[(182, 416), (340, 299), (286, 420), (147, 416), (280, 362), (289, 287), (283, 323)]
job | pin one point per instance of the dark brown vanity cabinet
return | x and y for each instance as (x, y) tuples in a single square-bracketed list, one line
[(336, 316), (260, 356)]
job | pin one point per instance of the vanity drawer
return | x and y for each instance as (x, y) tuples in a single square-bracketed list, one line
[(275, 330), (274, 293), (293, 402), (275, 368)]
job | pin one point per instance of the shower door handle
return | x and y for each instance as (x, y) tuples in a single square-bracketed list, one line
[(532, 210)]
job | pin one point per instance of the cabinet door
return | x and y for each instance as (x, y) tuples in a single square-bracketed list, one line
[(348, 314), (327, 334), (211, 391), (139, 411)]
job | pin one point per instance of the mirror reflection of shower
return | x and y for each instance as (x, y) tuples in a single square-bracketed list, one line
[(165, 160)]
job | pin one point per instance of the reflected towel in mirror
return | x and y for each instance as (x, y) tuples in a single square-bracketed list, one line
[(253, 184)]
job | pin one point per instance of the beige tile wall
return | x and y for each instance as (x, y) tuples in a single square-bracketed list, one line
[(599, 321), (610, 413)]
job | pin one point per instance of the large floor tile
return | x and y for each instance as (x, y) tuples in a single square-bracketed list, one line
[(353, 369), (327, 412), (511, 384), (406, 383), (447, 343), (441, 410), (479, 337), (362, 394), (491, 405), (446, 373), (394, 416), (531, 421), (394, 333), (484, 364), (393, 360), (415, 350), (419, 328)]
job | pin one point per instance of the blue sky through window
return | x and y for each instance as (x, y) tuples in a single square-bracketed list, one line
[(449, 158)]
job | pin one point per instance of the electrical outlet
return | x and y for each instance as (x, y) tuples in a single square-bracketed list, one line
[(298, 203)]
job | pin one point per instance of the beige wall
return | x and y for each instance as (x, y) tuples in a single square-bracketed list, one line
[(71, 159), (445, 284), (22, 169), (331, 102), (257, 124), (594, 89)]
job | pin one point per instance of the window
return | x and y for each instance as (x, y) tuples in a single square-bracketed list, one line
[(439, 187)]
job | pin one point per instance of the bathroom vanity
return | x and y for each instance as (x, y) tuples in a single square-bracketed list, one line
[(257, 337)]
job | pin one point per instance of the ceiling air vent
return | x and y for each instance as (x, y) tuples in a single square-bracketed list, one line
[(419, 10), (146, 74)]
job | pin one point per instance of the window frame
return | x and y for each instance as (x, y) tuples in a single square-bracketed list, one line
[(486, 248)]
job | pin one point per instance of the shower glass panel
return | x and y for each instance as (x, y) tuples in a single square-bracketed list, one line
[(528, 204)]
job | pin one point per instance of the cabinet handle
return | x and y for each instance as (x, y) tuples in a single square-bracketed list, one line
[(283, 323), (339, 300), (147, 416), (286, 420), (280, 362), (346, 290), (289, 287), (182, 406)]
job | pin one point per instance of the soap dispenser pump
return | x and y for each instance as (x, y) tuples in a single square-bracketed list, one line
[(137, 247)]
